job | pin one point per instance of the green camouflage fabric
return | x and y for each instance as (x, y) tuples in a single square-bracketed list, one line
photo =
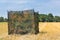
[(23, 22)]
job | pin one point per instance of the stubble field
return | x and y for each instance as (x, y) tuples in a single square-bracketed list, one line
[(48, 31)]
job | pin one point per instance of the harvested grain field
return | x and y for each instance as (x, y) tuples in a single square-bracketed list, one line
[(48, 31)]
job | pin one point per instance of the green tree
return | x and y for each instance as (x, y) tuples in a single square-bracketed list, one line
[(5, 19), (43, 18), (50, 17), (1, 19), (57, 18)]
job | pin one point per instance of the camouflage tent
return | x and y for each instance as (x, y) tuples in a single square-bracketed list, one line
[(23, 22)]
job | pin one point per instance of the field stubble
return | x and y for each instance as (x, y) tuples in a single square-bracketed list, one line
[(48, 31)]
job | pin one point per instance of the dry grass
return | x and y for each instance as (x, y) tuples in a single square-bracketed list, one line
[(48, 31), (51, 29), (3, 29)]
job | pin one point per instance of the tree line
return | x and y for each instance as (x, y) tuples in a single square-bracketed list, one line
[(42, 18), (48, 18), (2, 19)]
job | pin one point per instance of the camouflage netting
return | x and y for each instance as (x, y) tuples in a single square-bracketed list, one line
[(23, 22)]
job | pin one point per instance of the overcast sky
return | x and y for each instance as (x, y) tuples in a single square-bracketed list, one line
[(43, 6)]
